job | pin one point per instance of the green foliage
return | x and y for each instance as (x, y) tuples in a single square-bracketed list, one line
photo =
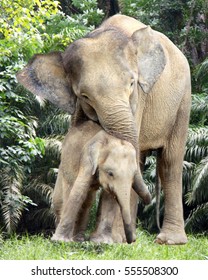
[(25, 16), (201, 76), (198, 219), (164, 14), (20, 38), (90, 15)]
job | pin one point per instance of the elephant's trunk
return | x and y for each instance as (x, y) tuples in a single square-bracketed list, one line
[(123, 198), (141, 189), (128, 229), (119, 122)]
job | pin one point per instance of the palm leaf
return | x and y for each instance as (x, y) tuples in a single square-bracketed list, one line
[(44, 217), (202, 72), (39, 191), (12, 202), (198, 219), (199, 109), (200, 103), (197, 144), (53, 146), (188, 168), (58, 124), (55, 122), (12, 209), (149, 173), (40, 219), (199, 193)]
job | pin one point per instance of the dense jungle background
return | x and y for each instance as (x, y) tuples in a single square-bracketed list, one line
[(32, 130)]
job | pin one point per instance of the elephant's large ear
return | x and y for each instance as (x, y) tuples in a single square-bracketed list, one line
[(151, 57), (45, 76)]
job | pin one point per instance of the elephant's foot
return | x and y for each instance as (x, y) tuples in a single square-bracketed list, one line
[(171, 237), (101, 238), (57, 237), (79, 237), (108, 238)]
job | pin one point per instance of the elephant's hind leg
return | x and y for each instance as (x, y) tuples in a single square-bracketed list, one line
[(172, 231), (170, 167)]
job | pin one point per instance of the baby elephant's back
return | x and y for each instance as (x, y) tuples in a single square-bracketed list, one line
[(73, 144)]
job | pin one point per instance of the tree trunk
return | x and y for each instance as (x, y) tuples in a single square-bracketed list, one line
[(110, 7)]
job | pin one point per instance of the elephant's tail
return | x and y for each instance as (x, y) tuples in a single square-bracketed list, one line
[(158, 191)]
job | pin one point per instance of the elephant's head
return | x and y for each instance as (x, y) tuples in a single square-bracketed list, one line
[(104, 72), (114, 162)]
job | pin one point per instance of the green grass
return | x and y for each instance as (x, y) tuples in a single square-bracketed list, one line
[(40, 248)]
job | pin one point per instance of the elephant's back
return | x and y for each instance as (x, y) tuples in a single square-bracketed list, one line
[(126, 24), (73, 144)]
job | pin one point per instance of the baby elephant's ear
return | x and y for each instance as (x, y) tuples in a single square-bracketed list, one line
[(92, 150), (45, 76), (93, 153)]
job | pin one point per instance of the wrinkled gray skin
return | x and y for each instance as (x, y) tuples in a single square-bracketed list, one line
[(90, 158), (136, 83)]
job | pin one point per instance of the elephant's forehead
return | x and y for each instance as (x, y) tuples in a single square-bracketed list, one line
[(101, 77), (124, 154)]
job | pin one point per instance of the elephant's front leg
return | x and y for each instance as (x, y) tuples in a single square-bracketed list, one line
[(72, 206)]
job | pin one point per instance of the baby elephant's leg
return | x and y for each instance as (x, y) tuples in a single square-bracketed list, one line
[(72, 206), (83, 217), (57, 198)]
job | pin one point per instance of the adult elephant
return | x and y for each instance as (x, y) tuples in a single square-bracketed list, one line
[(136, 83)]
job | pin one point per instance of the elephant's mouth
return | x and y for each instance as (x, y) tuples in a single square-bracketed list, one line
[(110, 189)]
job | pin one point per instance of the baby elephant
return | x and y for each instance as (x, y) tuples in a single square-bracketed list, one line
[(92, 158)]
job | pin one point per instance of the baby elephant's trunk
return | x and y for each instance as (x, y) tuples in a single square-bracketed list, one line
[(128, 229), (129, 233), (123, 198)]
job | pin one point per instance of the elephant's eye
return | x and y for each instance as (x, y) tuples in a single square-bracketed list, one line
[(110, 173), (85, 96), (132, 84)]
